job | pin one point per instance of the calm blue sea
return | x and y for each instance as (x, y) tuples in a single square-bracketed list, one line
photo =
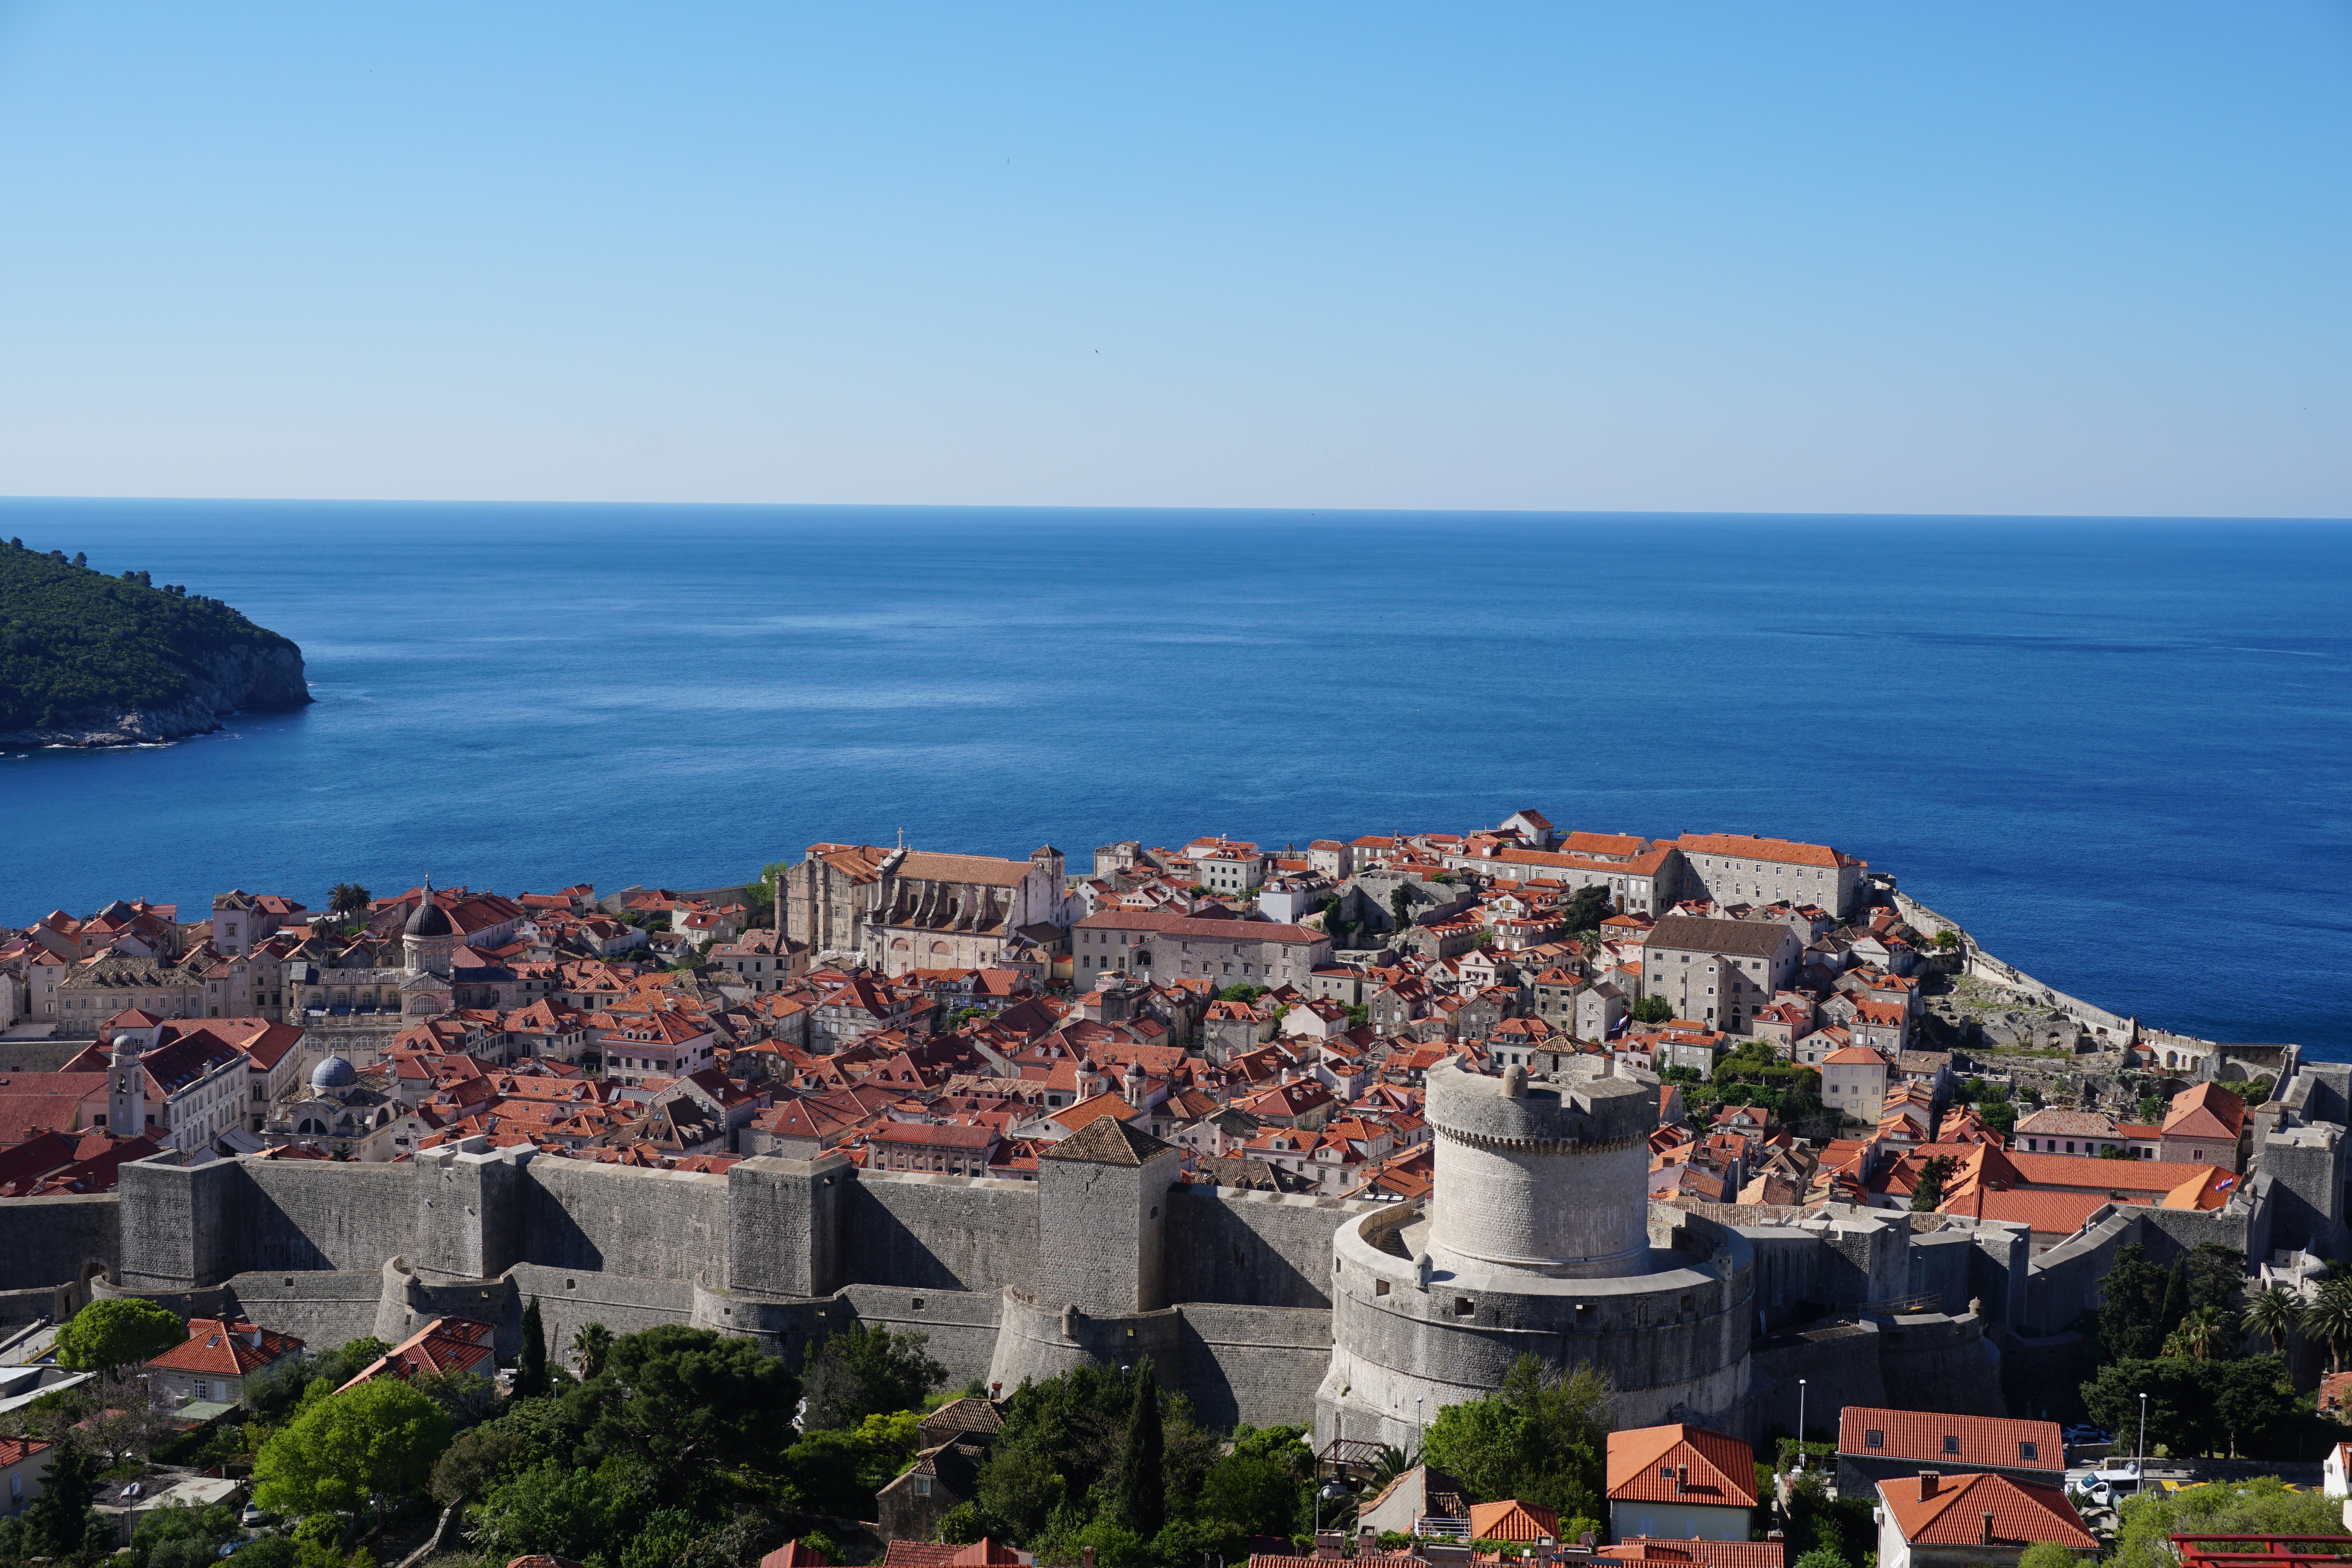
[(2114, 750)]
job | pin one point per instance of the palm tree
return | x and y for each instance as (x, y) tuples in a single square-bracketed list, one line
[(589, 1348), (2271, 1313), (1387, 1465), (2328, 1318), (2201, 1333), (347, 898)]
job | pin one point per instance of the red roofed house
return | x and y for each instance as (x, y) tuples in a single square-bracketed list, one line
[(1934, 1520), (1680, 1480), (1735, 868), (2203, 1126), (1854, 1081), (792, 1554), (1511, 1519), (217, 1357), (1876, 1445), (981, 1553), (441, 1346), (1698, 1554), (21, 1465)]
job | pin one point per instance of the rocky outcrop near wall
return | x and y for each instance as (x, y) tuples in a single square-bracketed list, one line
[(2112, 1030)]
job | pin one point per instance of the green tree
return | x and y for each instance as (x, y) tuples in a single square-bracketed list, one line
[(2204, 1332), (1652, 1010), (1934, 1172), (590, 1346), (2001, 1115), (838, 1472), (1254, 1489), (476, 1459), (107, 1336), (346, 1450), (2254, 1405), (60, 1523), (1401, 906), (862, 1372), (183, 1537), (2328, 1318), (2271, 1313), (1142, 1489), (2259, 1507), (1587, 909), (2131, 1307), (348, 899), (1823, 1557), (2047, 1554), (530, 1365), (2217, 1277), (2176, 1298), (674, 1396), (1541, 1438)]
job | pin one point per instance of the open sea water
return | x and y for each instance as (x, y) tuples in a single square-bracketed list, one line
[(2114, 750)]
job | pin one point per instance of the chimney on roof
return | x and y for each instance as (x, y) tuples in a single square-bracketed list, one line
[(1927, 1479)]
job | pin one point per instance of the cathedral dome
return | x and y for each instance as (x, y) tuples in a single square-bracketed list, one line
[(429, 918), (333, 1073)]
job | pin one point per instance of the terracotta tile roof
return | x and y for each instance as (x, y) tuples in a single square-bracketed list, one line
[(1952, 1512), (224, 1349), (981, 1553), (443, 1345), (1963, 1442), (2207, 1110), (16, 1450), (1722, 1468), (792, 1554), (1699, 1553), (1740, 846), (1511, 1519), (1854, 1054)]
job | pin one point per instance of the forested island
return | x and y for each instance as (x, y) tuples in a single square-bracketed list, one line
[(89, 659)]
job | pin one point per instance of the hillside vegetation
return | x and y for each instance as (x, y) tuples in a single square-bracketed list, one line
[(75, 641)]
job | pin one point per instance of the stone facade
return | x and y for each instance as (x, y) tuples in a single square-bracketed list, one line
[(912, 909)]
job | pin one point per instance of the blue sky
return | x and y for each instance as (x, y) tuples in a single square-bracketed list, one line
[(1920, 257)]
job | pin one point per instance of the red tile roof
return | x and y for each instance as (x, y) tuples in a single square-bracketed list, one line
[(1963, 1442), (224, 1349), (1953, 1511), (1722, 1468), (1699, 1553)]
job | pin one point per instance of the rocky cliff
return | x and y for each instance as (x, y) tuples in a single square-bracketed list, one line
[(234, 680), (87, 659)]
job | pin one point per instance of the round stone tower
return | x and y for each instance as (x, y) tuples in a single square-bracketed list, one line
[(1549, 1177), (1539, 1238)]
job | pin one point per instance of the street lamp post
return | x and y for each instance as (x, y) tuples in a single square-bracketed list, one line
[(1801, 1424), (1330, 1492), (2139, 1465)]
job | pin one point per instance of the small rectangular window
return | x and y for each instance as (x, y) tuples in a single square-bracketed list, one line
[(1873, 1439), (2029, 1450), (1951, 1444)]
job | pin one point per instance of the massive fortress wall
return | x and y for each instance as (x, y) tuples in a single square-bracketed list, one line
[(1096, 1260)]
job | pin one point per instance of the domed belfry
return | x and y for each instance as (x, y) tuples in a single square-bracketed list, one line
[(426, 940)]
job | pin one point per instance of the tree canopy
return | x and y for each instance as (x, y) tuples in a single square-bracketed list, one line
[(674, 1394), (107, 1336), (344, 1450), (1541, 1438), (75, 642)]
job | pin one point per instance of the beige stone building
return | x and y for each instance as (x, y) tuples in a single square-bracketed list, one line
[(1737, 868), (902, 909), (1720, 973)]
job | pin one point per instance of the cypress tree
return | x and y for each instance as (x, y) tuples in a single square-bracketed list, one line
[(56, 1522), (530, 1366), (1143, 1489), (2176, 1299)]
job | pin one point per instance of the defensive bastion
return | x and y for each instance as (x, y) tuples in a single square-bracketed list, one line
[(1262, 1307)]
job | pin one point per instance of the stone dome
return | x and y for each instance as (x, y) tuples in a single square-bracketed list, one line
[(428, 919), (334, 1072)]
